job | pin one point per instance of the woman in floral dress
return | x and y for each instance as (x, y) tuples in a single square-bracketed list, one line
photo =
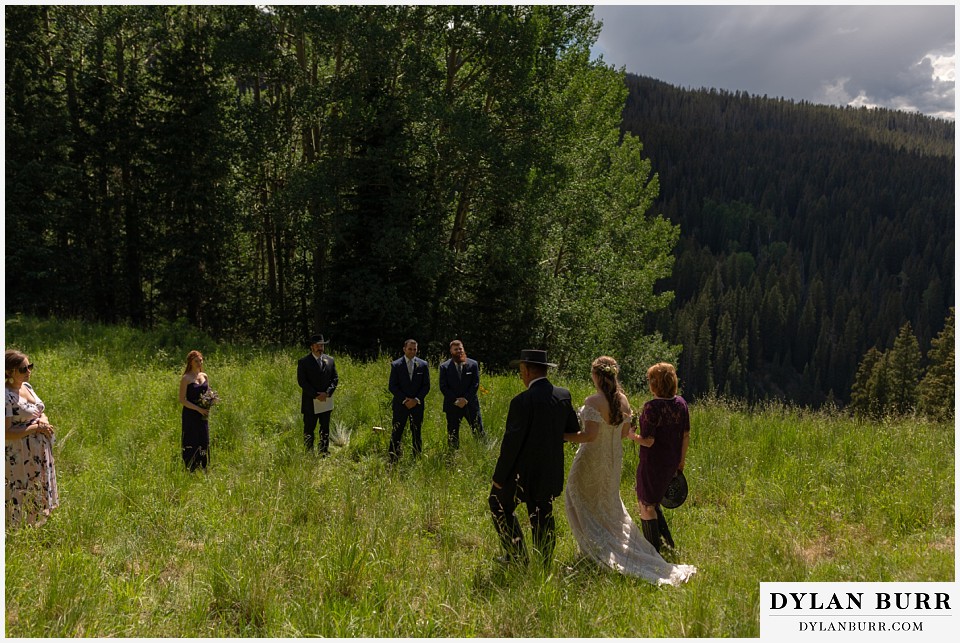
[(30, 473)]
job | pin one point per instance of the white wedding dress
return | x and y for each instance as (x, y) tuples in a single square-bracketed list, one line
[(598, 518)]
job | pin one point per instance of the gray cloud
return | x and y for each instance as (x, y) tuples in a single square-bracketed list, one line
[(874, 55)]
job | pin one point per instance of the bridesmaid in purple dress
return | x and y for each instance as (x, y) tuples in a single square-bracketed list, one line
[(663, 439), (195, 436)]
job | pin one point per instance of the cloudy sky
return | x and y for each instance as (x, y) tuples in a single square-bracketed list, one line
[(898, 57)]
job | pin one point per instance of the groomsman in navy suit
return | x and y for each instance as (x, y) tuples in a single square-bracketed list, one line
[(317, 377), (459, 383), (409, 384)]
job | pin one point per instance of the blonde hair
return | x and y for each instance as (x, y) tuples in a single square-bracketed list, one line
[(606, 370), (662, 379)]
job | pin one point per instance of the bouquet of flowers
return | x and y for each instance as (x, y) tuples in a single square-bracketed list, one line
[(208, 398)]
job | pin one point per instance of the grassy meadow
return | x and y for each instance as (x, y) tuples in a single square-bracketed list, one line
[(273, 543)]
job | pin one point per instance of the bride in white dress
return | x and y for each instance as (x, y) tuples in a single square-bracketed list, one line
[(598, 518)]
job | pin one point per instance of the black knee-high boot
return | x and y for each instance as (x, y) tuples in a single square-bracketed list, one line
[(664, 530), (651, 531)]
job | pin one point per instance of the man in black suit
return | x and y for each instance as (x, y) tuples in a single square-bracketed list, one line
[(459, 383), (409, 384), (530, 466), (317, 377)]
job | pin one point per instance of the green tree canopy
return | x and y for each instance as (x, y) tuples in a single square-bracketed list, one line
[(372, 172), (937, 388)]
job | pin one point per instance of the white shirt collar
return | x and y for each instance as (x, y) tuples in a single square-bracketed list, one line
[(536, 380)]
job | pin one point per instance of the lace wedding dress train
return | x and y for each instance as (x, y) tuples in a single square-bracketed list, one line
[(598, 518)]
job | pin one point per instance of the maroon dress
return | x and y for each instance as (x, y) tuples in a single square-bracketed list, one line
[(665, 420)]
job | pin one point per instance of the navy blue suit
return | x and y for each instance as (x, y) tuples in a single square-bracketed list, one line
[(455, 384), (402, 386), (316, 377)]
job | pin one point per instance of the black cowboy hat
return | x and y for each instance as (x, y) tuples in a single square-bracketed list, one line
[(676, 493), (316, 339), (532, 356)]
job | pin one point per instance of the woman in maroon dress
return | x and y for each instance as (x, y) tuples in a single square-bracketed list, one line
[(663, 439)]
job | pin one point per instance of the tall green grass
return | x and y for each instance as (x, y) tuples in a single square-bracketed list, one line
[(270, 542)]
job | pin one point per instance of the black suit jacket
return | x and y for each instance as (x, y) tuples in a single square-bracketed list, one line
[(532, 447), (314, 379), (453, 385), (401, 386)]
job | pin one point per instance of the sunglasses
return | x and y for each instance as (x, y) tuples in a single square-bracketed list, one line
[(23, 369)]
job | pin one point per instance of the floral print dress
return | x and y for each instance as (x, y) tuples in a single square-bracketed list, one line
[(30, 474)]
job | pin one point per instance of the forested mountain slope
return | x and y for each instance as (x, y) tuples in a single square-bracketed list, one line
[(809, 234)]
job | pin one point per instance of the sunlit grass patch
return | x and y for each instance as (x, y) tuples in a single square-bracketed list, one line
[(270, 542)]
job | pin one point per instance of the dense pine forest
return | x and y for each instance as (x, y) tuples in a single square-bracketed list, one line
[(378, 173), (809, 235), (371, 172)]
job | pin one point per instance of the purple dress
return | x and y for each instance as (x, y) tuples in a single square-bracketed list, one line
[(665, 420), (195, 436)]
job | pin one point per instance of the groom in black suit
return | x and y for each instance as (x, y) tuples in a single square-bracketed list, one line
[(530, 466), (317, 377), (409, 384)]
